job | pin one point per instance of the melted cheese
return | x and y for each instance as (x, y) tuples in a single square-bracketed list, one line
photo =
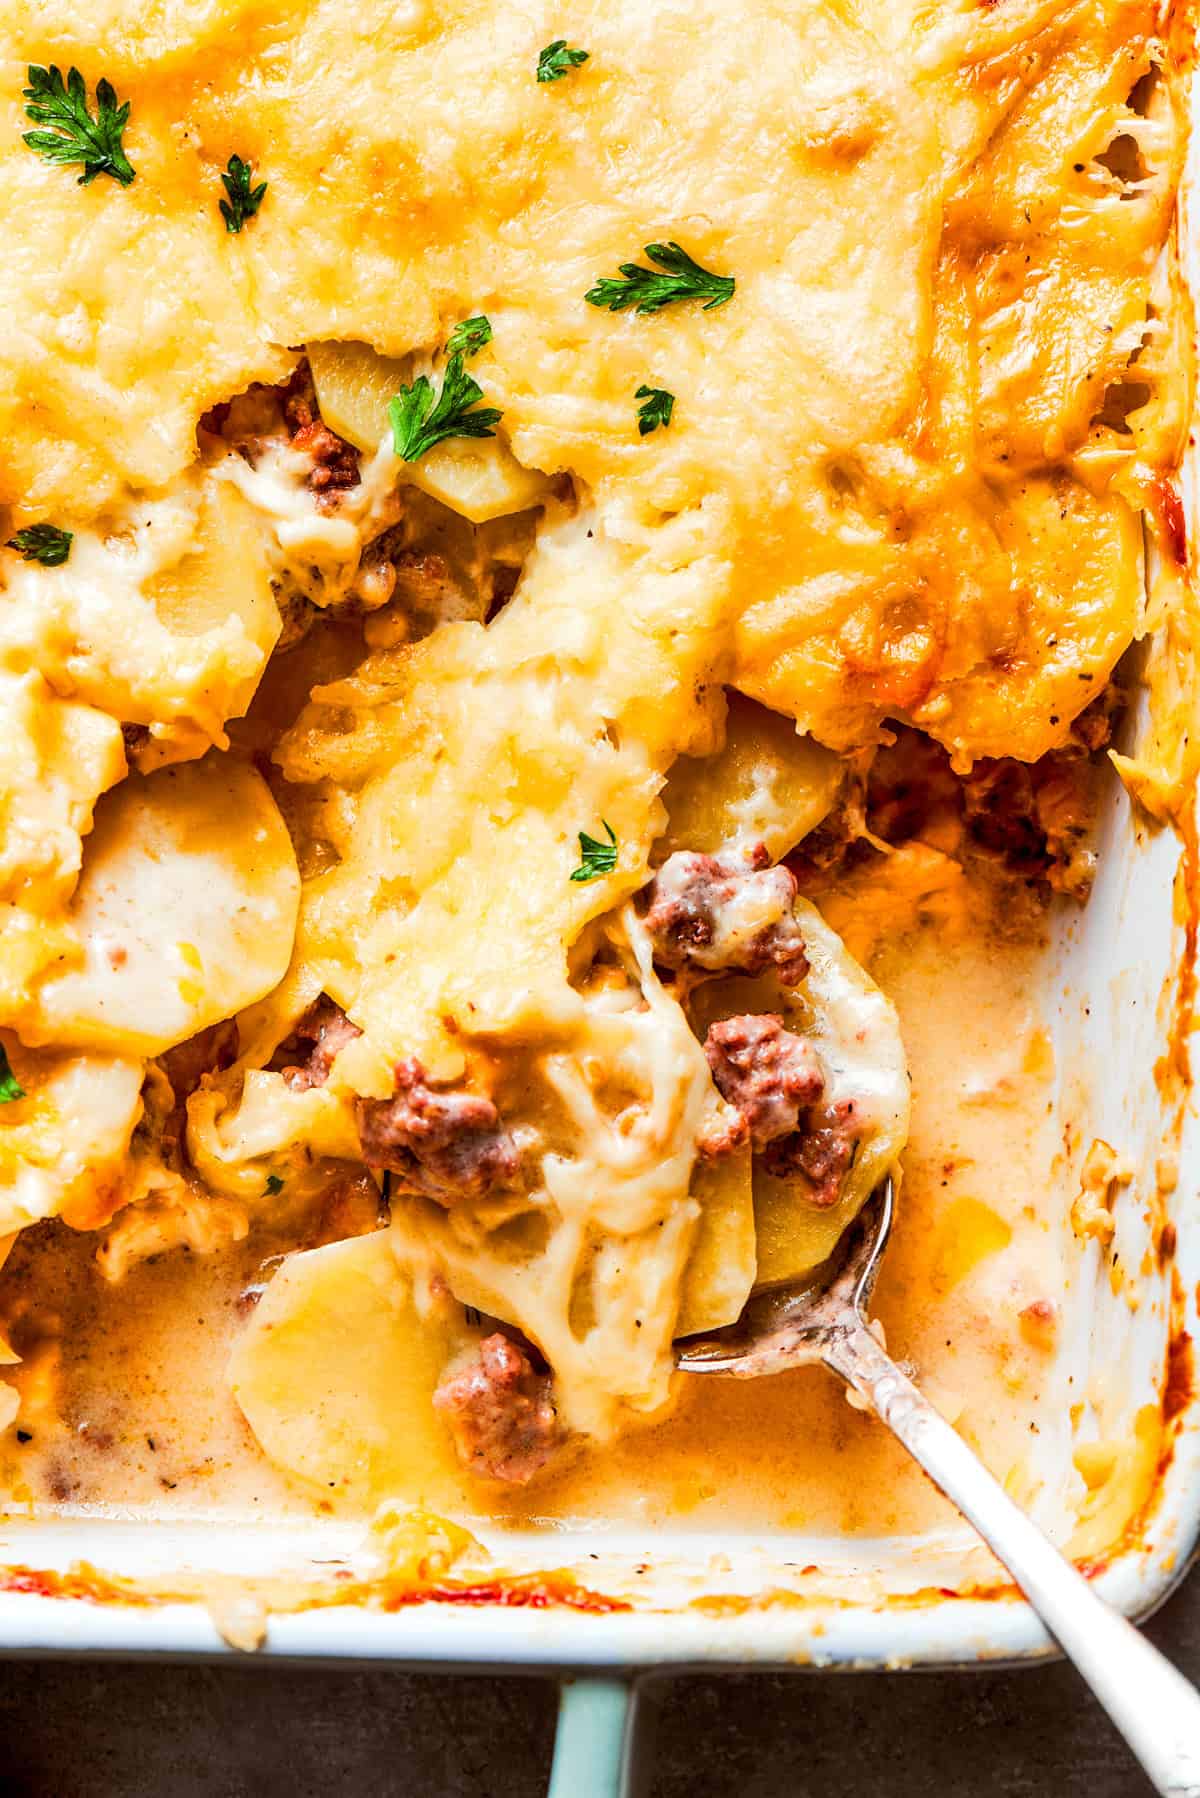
[(471, 761), (162, 616), (64, 1146)]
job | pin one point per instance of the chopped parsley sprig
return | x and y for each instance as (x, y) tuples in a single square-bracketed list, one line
[(657, 408), (243, 200), (420, 420), (273, 1187), (43, 543), (10, 1086), (558, 59), (596, 858), (72, 134), (648, 290), (469, 336)]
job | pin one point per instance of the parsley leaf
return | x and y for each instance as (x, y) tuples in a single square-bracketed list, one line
[(647, 291), (10, 1086), (469, 337), (596, 858), (274, 1185), (556, 60), (43, 543), (419, 422), (243, 201), (657, 410), (74, 135)]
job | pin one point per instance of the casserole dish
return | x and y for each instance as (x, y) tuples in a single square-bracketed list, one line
[(668, 1601), (1115, 997)]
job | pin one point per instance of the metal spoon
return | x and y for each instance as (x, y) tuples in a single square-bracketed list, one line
[(1154, 1707)]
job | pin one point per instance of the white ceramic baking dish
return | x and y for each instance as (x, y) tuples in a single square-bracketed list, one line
[(1110, 980)]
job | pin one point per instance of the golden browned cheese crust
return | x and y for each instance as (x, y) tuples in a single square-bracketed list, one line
[(908, 434)]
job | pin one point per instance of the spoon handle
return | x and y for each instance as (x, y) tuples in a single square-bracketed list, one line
[(1155, 1708)]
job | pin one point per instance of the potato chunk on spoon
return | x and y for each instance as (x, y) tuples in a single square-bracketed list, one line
[(825, 1320)]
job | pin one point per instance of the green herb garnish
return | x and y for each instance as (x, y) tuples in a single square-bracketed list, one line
[(10, 1086), (557, 60), (647, 291), (596, 858), (657, 410), (43, 543), (274, 1185), (419, 421), (469, 337), (74, 135), (243, 200)]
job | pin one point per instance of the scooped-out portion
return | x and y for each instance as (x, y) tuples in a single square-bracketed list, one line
[(575, 1288)]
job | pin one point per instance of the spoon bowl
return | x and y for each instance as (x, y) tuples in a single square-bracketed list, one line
[(791, 1326), (824, 1319)]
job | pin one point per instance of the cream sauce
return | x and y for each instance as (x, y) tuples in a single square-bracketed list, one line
[(142, 1421)]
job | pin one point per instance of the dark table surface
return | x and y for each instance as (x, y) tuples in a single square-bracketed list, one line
[(253, 1730)]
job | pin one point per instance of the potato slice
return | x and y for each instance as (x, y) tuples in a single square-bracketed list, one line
[(185, 910), (336, 1371), (717, 1280), (354, 384), (721, 1272), (224, 574), (856, 1033), (63, 1144), (766, 785), (477, 477)]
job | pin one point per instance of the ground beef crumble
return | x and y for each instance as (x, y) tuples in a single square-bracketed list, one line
[(773, 1080), (319, 1037), (1031, 822), (714, 913), (444, 1144), (334, 461), (820, 1154), (768, 1074), (252, 421), (500, 1413)]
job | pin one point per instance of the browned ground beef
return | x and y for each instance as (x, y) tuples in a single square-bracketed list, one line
[(334, 461), (769, 1074), (1031, 822), (319, 1037), (252, 420), (819, 1154), (500, 1413), (447, 1145), (694, 905), (773, 1079)]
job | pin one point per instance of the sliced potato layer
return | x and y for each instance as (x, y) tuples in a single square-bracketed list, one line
[(856, 1033), (766, 784), (478, 477), (721, 1271), (63, 1144), (336, 1373), (185, 910)]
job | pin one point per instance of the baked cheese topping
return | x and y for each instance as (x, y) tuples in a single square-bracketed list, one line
[(498, 515)]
